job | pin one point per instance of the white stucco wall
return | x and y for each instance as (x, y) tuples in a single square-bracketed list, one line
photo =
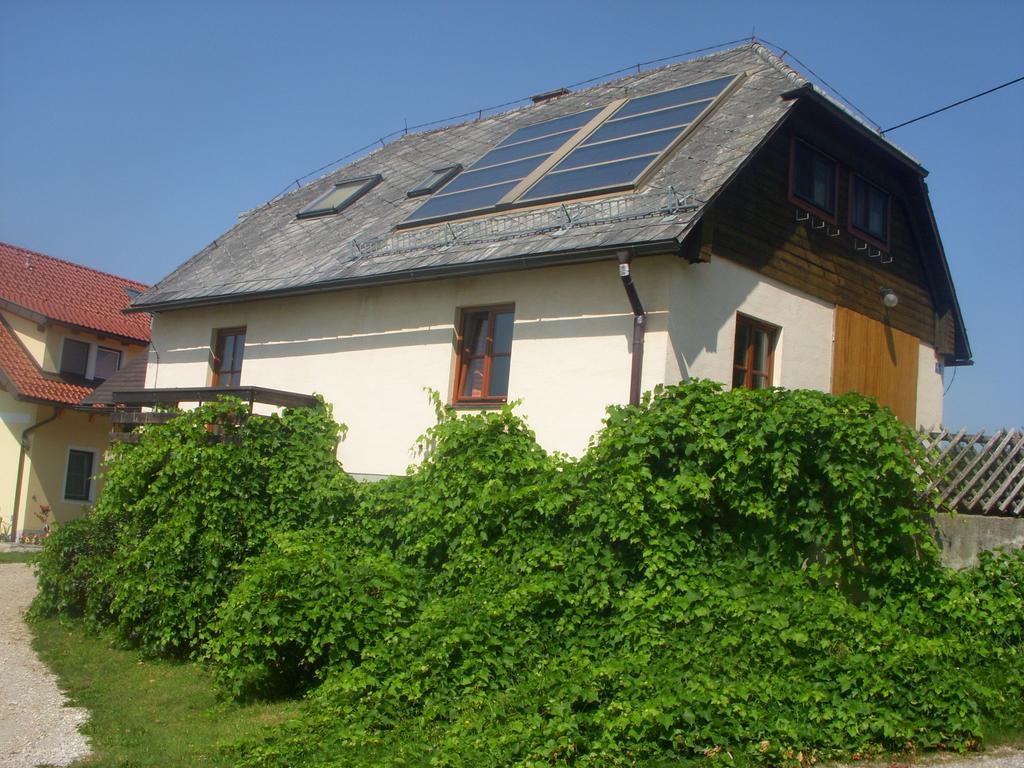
[(372, 351), (705, 299), (930, 389)]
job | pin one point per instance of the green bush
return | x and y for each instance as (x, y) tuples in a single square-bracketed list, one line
[(743, 576), (303, 604), (180, 511), (736, 576), (69, 569)]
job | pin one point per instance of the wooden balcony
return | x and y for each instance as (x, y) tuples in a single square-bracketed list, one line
[(128, 414)]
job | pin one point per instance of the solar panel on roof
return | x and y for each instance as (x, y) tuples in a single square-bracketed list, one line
[(495, 174), (597, 150), (628, 143)]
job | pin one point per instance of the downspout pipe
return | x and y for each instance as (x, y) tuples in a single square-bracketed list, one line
[(21, 469), (639, 326)]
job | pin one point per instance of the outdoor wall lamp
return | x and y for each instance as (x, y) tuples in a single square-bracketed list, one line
[(889, 297)]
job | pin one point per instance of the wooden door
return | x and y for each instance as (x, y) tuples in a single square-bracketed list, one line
[(875, 359)]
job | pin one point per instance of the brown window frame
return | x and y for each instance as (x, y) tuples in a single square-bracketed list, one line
[(748, 357), (220, 336), (464, 354), (808, 205), (860, 233)]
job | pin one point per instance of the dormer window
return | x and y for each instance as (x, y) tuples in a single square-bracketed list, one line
[(813, 177), (107, 362), (74, 357), (434, 181), (869, 211), (88, 360), (339, 197)]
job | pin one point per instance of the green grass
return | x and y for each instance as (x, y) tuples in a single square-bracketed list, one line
[(1005, 736), (18, 557), (146, 712)]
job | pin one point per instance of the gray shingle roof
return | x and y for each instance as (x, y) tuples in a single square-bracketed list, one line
[(271, 252)]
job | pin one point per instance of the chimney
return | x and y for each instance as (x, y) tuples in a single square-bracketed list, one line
[(549, 95)]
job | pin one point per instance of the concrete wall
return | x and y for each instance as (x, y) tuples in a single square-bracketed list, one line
[(963, 537)]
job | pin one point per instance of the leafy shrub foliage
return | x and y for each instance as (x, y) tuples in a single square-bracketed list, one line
[(743, 577), (302, 605), (179, 512)]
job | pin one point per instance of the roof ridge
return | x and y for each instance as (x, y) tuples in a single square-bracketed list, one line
[(801, 80), (73, 264), (590, 87), (503, 113), (766, 53)]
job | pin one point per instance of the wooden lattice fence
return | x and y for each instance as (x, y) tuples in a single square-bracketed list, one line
[(978, 474)]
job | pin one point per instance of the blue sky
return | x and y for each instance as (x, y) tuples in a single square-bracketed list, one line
[(133, 133)]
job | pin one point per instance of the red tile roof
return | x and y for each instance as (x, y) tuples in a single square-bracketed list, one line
[(18, 371), (70, 293)]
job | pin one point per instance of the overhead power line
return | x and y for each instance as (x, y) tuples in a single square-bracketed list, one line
[(784, 52), (955, 104)]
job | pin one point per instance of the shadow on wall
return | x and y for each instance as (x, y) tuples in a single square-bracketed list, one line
[(703, 302)]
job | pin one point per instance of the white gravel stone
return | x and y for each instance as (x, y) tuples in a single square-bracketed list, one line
[(36, 725), (998, 757)]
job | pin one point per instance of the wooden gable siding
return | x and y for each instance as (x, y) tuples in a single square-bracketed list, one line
[(754, 223)]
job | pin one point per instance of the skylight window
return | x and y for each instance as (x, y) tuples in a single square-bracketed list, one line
[(434, 181), (598, 150), (339, 197)]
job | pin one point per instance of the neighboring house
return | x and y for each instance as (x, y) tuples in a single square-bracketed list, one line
[(773, 238), (63, 332)]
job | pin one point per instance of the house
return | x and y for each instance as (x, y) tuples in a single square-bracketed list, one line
[(717, 218), (63, 331)]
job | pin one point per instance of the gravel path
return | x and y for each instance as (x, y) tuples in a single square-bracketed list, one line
[(36, 727), (998, 757)]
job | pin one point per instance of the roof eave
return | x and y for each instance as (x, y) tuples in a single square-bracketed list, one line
[(809, 93), (547, 259), (40, 319), (964, 355)]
